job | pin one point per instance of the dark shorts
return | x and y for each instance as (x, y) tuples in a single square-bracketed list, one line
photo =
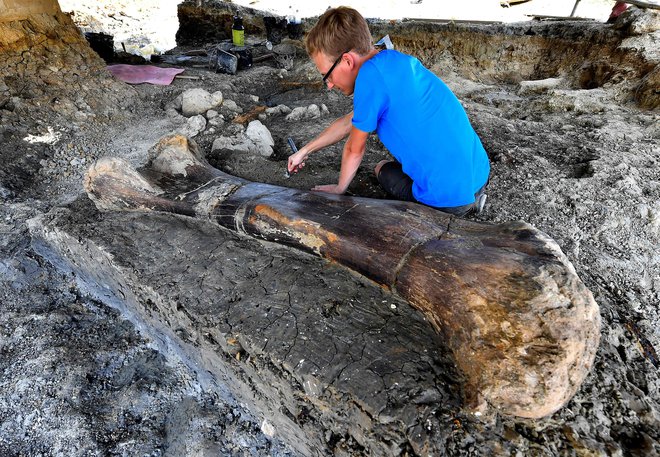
[(399, 185)]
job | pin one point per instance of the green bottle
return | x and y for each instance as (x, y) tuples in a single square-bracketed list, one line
[(238, 32)]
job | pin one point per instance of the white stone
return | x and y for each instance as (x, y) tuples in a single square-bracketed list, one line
[(194, 126), (198, 101), (210, 114), (297, 114), (232, 106), (217, 98), (539, 86), (217, 121), (578, 101), (232, 144), (279, 109), (313, 112), (268, 429), (259, 134), (312, 386)]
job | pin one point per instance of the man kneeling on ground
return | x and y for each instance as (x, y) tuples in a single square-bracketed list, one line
[(440, 161)]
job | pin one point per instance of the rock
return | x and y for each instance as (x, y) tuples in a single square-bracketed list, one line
[(637, 22), (279, 109), (199, 101), (268, 429), (210, 114), (232, 106), (231, 144), (195, 125), (538, 86), (311, 112), (646, 21), (260, 136), (297, 114), (217, 121), (578, 101), (217, 98), (256, 139)]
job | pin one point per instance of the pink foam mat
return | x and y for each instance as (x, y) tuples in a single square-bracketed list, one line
[(138, 74)]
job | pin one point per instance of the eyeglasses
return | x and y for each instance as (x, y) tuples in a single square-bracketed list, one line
[(327, 75)]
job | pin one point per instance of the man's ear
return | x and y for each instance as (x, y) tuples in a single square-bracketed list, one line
[(350, 59)]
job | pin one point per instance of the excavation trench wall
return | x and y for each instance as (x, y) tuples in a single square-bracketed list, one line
[(50, 79), (587, 54), (44, 58), (13, 10)]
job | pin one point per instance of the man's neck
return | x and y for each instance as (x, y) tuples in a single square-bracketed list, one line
[(362, 59)]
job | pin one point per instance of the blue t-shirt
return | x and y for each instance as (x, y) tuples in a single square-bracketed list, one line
[(423, 125)]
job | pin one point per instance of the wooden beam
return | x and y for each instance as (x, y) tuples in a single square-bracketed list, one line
[(558, 18), (642, 4)]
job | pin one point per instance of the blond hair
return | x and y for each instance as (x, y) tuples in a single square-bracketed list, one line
[(339, 30)]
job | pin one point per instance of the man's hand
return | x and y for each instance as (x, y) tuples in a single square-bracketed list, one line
[(296, 161), (334, 133), (330, 189)]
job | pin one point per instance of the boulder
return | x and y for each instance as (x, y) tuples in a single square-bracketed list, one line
[(199, 101)]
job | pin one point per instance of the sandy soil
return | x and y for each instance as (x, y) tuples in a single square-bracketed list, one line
[(581, 165)]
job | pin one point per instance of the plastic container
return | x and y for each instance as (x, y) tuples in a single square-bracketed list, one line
[(244, 56), (226, 62), (238, 32)]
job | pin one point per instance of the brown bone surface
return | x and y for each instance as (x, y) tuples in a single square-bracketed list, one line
[(522, 326)]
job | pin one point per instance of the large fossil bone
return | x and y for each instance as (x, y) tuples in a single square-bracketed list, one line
[(522, 326)]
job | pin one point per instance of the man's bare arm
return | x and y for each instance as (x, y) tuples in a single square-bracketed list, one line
[(350, 161), (334, 133)]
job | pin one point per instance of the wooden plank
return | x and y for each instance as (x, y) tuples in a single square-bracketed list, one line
[(643, 4), (447, 21), (559, 18)]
